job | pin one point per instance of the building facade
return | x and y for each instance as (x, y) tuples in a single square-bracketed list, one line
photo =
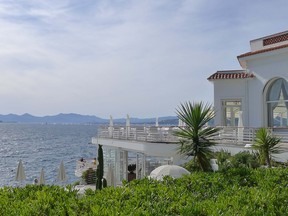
[(259, 91)]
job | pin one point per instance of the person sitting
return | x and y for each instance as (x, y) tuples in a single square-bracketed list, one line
[(82, 162), (35, 182), (94, 161)]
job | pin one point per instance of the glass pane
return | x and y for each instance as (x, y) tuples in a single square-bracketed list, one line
[(231, 112), (276, 107)]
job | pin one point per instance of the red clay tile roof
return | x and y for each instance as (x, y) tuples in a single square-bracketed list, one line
[(236, 74), (263, 51)]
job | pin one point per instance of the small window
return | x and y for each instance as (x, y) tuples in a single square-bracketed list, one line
[(231, 110)]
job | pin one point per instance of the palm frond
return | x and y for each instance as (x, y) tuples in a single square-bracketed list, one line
[(195, 138)]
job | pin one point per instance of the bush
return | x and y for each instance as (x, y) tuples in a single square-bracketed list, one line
[(89, 176), (244, 159), (237, 191), (223, 159), (192, 166)]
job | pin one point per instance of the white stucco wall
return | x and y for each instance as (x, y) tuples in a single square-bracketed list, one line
[(264, 67)]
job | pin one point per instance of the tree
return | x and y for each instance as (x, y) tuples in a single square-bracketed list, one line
[(196, 137), (266, 144), (100, 168)]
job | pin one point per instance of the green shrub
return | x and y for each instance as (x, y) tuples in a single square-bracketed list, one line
[(237, 191), (192, 166), (244, 159), (89, 176), (223, 159)]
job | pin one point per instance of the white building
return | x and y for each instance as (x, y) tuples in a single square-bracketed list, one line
[(259, 90), (147, 147)]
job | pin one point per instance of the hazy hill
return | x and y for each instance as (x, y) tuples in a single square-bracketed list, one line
[(73, 118)]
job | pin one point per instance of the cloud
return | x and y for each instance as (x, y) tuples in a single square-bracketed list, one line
[(118, 57)]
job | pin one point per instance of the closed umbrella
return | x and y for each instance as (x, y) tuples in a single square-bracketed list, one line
[(20, 174), (42, 178), (127, 127), (110, 129), (127, 121), (240, 127), (168, 170), (62, 173), (180, 124), (111, 121)]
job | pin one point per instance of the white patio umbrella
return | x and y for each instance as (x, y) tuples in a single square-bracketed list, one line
[(168, 170), (127, 121), (20, 174), (156, 122), (62, 173), (41, 178), (127, 126), (240, 127), (179, 123), (110, 176), (111, 121), (110, 129)]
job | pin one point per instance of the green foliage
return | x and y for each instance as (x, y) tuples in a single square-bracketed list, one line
[(266, 144), (89, 176), (244, 159), (223, 159), (237, 191), (77, 182), (195, 138), (100, 168), (192, 166)]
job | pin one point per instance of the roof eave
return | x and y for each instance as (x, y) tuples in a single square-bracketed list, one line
[(242, 62)]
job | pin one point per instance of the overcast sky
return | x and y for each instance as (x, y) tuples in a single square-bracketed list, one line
[(118, 57)]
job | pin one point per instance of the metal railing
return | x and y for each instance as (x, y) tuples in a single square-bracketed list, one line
[(165, 134), (139, 133)]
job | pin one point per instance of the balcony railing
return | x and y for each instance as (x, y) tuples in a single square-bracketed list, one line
[(139, 133), (227, 135)]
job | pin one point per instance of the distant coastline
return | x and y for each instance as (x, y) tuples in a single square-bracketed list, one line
[(73, 118)]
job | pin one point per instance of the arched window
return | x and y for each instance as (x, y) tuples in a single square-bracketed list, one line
[(277, 103)]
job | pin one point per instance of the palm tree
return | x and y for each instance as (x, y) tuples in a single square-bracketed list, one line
[(266, 144), (195, 137)]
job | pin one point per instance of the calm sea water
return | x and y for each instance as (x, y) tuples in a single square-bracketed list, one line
[(43, 146)]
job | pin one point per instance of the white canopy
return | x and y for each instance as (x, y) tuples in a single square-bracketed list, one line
[(168, 170)]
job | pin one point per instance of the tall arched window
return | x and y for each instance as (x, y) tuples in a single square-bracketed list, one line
[(277, 103)]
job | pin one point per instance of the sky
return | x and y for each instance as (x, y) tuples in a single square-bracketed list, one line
[(118, 57)]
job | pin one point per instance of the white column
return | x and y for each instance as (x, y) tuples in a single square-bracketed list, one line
[(125, 165), (137, 166), (143, 166), (117, 166)]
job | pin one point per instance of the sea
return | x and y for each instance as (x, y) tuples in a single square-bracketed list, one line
[(43, 146)]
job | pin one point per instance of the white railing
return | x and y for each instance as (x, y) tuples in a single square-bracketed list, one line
[(227, 135), (139, 133)]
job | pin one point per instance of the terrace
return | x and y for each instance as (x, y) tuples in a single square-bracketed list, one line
[(230, 136)]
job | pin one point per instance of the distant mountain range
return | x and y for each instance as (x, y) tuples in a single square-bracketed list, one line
[(73, 118)]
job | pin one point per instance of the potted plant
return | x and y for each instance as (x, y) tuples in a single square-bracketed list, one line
[(89, 176), (131, 170)]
